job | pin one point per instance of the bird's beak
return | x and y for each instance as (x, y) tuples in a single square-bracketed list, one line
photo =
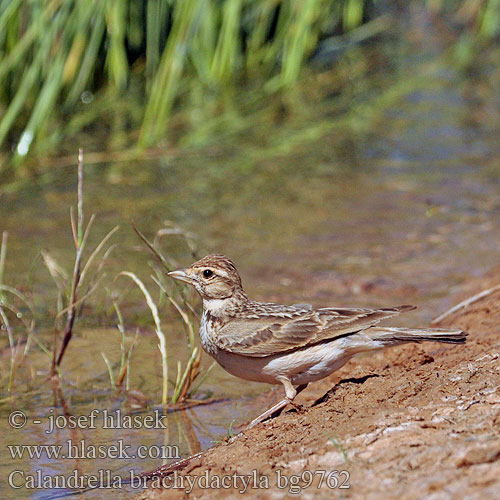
[(181, 276)]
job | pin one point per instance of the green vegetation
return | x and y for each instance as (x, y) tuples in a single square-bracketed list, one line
[(66, 64), (339, 447), (17, 313), (118, 74), (74, 292)]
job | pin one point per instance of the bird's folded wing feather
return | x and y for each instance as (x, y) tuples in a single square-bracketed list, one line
[(272, 332)]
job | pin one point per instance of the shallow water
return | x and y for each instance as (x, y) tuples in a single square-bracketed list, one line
[(400, 213)]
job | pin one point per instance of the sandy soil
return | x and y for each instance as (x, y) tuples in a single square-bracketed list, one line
[(415, 421)]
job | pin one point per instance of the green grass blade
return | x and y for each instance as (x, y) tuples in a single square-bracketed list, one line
[(159, 331), (227, 50), (110, 369), (170, 71)]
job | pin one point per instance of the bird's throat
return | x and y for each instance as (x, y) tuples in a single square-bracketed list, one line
[(223, 308), (216, 307)]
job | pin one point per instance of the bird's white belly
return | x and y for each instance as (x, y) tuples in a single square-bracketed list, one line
[(300, 367)]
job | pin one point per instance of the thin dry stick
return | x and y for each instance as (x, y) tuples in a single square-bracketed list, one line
[(80, 196), (466, 303), (68, 329)]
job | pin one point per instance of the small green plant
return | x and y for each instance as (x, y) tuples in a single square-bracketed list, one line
[(70, 303), (230, 432), (189, 378), (228, 436), (126, 354), (73, 290), (162, 345), (339, 447)]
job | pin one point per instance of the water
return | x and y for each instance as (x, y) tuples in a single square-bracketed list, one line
[(401, 212)]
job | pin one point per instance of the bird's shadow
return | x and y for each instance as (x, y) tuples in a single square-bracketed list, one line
[(351, 380)]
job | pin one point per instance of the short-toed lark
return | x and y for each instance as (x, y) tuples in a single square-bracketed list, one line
[(289, 345)]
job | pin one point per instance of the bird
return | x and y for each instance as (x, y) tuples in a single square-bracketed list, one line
[(291, 345)]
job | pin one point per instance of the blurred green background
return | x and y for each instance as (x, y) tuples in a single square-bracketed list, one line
[(127, 77)]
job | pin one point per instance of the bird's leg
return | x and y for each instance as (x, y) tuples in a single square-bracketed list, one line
[(290, 393), (274, 411)]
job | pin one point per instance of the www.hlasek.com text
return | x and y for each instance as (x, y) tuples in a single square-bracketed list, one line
[(81, 450)]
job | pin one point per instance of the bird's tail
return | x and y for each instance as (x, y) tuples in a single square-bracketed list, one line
[(394, 336)]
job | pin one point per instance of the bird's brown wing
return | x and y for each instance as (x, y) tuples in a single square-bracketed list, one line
[(271, 332)]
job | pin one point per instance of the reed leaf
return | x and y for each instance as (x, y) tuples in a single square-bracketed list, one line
[(159, 332), (228, 44), (170, 70), (300, 37), (116, 57)]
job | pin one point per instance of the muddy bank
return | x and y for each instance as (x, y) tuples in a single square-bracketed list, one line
[(410, 422)]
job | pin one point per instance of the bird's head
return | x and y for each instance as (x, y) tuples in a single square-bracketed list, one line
[(215, 278)]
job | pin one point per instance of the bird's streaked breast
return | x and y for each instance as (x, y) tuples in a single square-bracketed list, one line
[(206, 330)]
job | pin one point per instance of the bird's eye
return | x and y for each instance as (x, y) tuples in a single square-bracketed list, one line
[(207, 273)]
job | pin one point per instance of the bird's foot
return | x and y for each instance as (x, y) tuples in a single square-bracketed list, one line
[(298, 408), (279, 411), (275, 411)]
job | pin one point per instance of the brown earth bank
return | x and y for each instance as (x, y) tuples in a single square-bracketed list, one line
[(415, 421)]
